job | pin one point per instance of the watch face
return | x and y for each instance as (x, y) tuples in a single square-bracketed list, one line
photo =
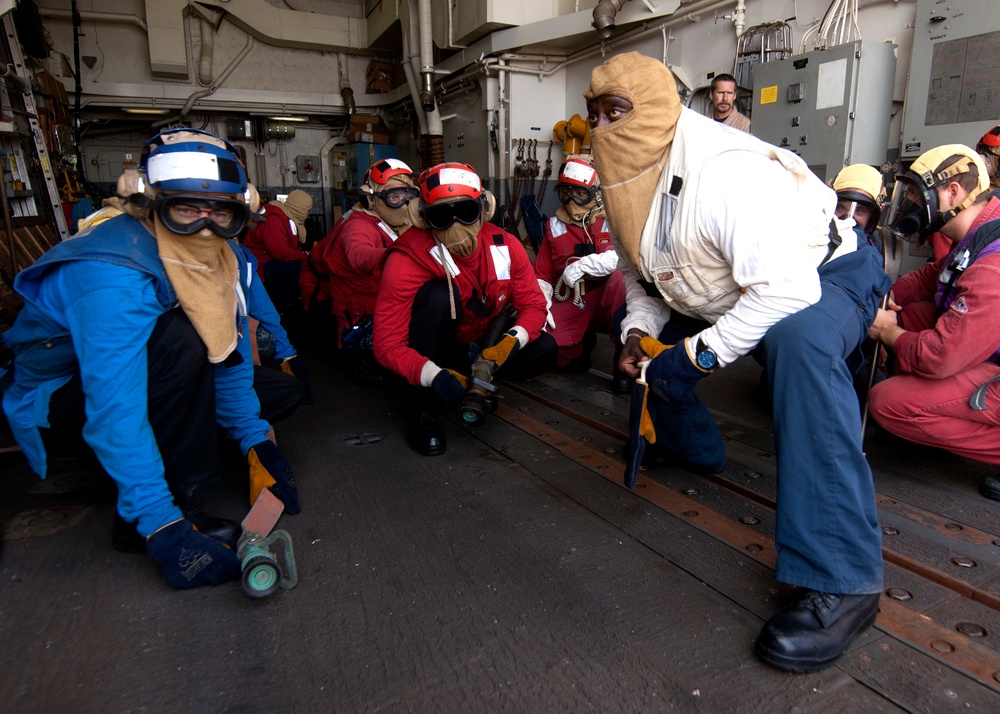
[(707, 359)]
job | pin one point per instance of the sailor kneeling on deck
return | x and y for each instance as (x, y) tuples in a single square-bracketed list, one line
[(727, 243), (133, 346), (453, 290)]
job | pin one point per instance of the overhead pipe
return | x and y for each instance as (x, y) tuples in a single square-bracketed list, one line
[(90, 15), (426, 56), (186, 109), (207, 52), (697, 6), (411, 32), (346, 91), (604, 17)]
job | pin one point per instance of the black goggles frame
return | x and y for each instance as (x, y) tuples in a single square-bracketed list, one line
[(398, 196), (466, 211), (566, 193), (241, 212)]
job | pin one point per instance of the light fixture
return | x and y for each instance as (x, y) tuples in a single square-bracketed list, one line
[(289, 118), (129, 110)]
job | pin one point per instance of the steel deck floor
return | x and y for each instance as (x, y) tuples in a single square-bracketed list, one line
[(514, 573)]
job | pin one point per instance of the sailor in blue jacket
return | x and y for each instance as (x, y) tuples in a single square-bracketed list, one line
[(134, 336)]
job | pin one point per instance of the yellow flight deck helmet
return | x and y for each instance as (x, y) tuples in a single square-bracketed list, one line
[(915, 213), (861, 183)]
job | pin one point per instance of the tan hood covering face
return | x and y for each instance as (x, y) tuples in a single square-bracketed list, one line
[(629, 154), (204, 273), (296, 206)]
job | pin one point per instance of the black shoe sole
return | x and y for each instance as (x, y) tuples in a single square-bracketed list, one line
[(988, 492), (799, 665)]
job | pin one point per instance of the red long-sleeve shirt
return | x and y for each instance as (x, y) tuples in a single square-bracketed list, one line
[(348, 260), (410, 263), (272, 239), (968, 332)]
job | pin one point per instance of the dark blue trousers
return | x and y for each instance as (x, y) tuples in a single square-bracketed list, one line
[(827, 533)]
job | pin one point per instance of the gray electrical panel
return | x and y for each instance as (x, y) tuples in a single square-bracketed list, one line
[(953, 91), (832, 107)]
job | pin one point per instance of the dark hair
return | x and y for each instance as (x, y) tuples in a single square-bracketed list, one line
[(968, 180), (722, 78)]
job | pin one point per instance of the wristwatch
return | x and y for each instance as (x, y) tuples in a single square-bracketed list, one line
[(706, 357)]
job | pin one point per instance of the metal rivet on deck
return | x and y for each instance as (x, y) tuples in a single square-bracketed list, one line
[(942, 646), (575, 400), (602, 467), (544, 434), (605, 413), (689, 491), (548, 389), (749, 520), (963, 562), (523, 409), (585, 438), (752, 474), (583, 457), (866, 658), (552, 422), (889, 530), (754, 547), (886, 502), (764, 454), (951, 694), (953, 526), (970, 629), (610, 450), (690, 514), (898, 594), (559, 443)]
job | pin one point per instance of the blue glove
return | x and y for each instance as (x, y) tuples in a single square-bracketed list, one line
[(296, 366), (449, 387), (671, 374), (190, 559), (269, 469)]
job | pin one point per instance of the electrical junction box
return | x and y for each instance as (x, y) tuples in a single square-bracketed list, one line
[(953, 89), (831, 107), (239, 129), (307, 168)]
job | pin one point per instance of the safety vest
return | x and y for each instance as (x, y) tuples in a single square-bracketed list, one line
[(671, 245)]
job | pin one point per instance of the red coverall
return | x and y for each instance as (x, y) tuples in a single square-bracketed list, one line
[(413, 260), (346, 261), (942, 361), (602, 296), (272, 239)]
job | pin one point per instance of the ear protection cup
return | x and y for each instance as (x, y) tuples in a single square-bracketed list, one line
[(252, 198), (489, 204)]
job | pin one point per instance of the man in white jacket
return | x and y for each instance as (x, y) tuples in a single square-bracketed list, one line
[(728, 245)]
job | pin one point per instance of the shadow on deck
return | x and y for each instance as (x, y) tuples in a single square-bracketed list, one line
[(513, 573)]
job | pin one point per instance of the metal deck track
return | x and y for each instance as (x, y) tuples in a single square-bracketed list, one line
[(925, 551)]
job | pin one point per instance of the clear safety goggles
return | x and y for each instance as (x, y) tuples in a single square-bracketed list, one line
[(580, 195), (441, 215), (187, 214), (398, 196)]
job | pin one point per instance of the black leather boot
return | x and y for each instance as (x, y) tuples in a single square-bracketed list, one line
[(221, 529), (990, 487), (817, 630), (425, 432)]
